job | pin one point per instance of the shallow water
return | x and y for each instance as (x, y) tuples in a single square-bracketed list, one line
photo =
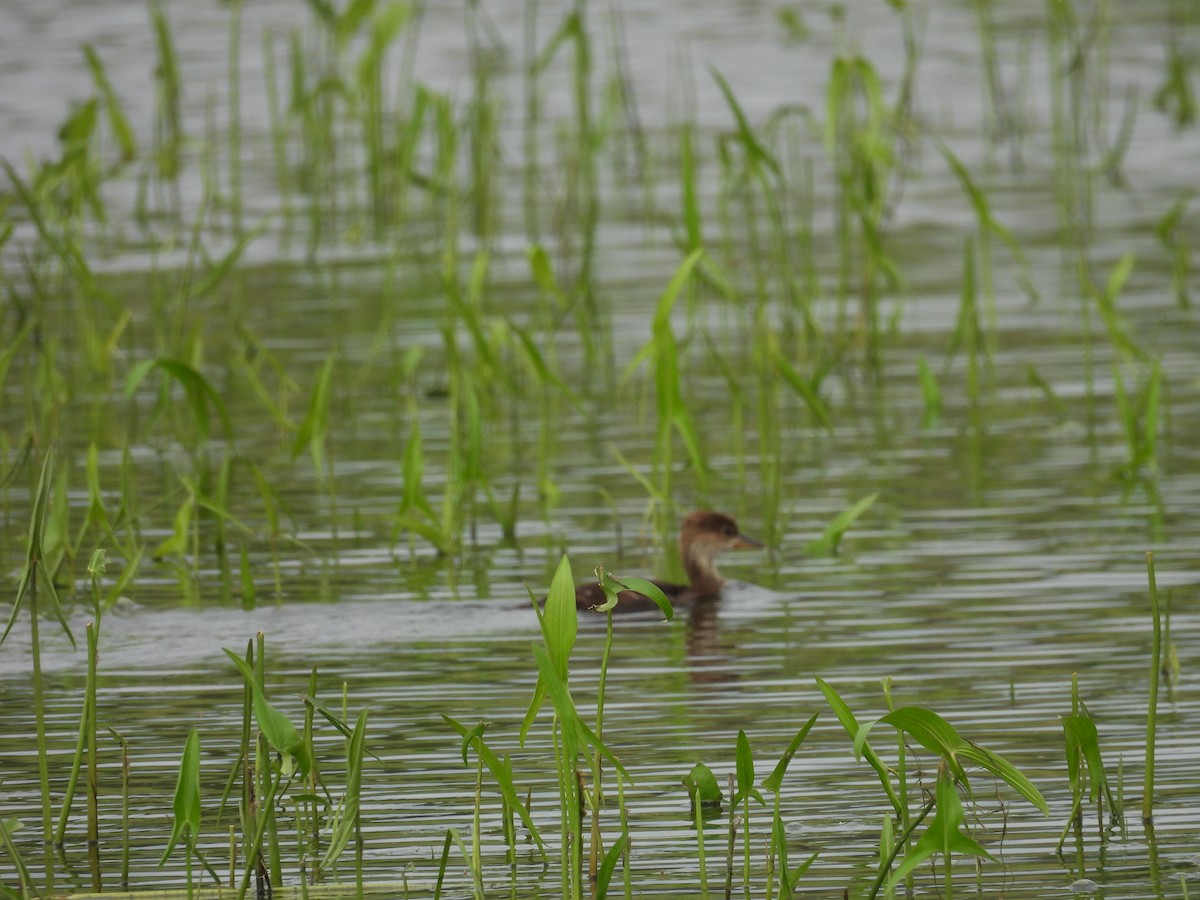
[(1002, 556)]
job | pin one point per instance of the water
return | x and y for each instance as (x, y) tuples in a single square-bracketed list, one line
[(1002, 556)]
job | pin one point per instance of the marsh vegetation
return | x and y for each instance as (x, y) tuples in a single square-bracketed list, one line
[(342, 323)]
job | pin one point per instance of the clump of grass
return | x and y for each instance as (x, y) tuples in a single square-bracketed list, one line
[(573, 738), (860, 141), (946, 834), (168, 120), (673, 413), (34, 575), (1086, 769)]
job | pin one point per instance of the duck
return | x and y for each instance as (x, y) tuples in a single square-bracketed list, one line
[(704, 535)]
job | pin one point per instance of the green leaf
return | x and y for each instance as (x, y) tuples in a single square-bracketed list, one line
[(943, 834), (808, 392), (988, 222), (779, 842), (797, 873), (647, 588), (196, 388), (933, 733), (535, 704), (316, 421), (476, 732), (181, 525), (746, 137), (560, 699), (1106, 301), (211, 279), (609, 865), (560, 621), (1006, 772), (503, 778), (117, 122), (702, 786), (575, 731), (662, 313), (927, 728), (346, 820), (186, 805), (275, 726), (1083, 741), (538, 363), (850, 723), (774, 781), (35, 552), (543, 273), (832, 536), (745, 772)]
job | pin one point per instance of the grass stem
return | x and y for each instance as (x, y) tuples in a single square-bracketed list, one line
[(1152, 712)]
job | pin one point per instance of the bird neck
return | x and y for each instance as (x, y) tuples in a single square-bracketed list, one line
[(701, 568)]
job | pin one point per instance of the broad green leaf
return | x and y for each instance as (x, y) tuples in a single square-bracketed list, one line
[(543, 272), (662, 314), (649, 589), (275, 726), (575, 731), (1119, 275), (1005, 771), (933, 733), (927, 728), (702, 786), (745, 772), (560, 622), (1083, 738), (186, 805), (535, 705)]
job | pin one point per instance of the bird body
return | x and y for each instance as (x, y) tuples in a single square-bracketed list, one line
[(702, 538)]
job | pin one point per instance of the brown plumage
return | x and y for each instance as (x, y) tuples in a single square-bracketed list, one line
[(702, 538)]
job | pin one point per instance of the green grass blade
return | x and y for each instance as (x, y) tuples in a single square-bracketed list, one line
[(831, 538), (774, 781), (609, 865)]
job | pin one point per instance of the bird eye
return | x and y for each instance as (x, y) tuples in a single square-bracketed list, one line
[(729, 531)]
